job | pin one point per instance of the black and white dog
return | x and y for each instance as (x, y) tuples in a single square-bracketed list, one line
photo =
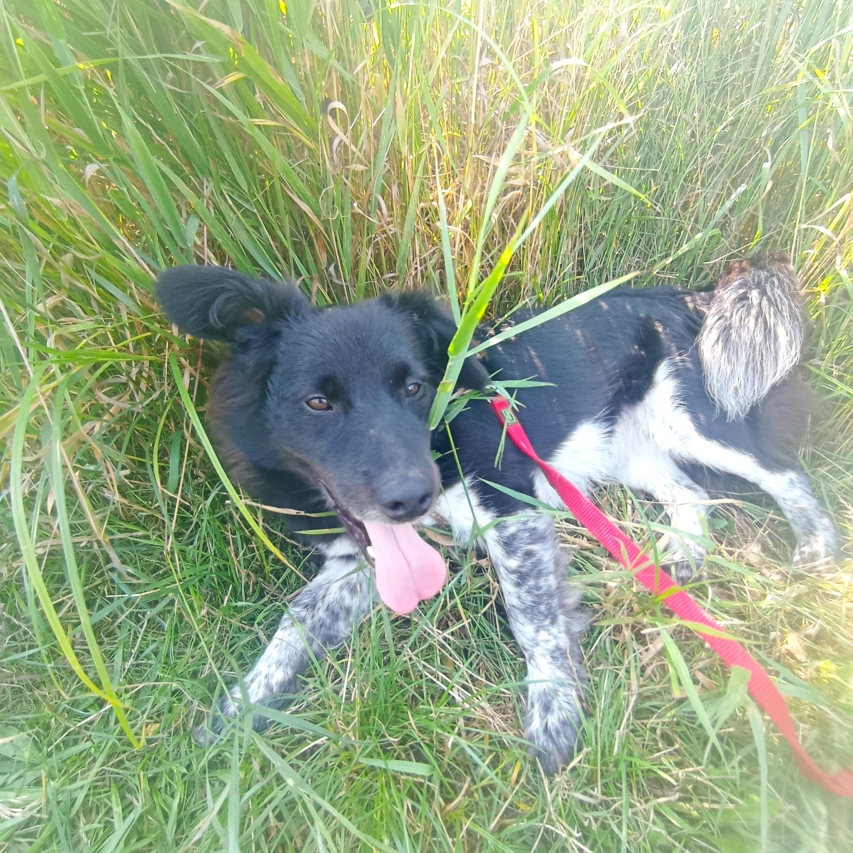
[(326, 409)]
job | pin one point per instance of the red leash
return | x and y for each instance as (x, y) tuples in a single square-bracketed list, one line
[(623, 550)]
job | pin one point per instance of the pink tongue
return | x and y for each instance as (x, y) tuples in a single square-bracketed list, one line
[(407, 569)]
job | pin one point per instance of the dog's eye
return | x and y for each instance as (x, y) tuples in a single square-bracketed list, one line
[(318, 404), (412, 389)]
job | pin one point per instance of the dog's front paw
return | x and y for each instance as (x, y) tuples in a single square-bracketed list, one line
[(210, 732), (552, 723)]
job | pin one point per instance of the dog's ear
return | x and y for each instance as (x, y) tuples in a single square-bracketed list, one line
[(434, 328), (215, 302)]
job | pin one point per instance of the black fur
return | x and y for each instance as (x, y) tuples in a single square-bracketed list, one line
[(215, 302)]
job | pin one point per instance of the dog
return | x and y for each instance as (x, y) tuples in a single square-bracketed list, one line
[(321, 410)]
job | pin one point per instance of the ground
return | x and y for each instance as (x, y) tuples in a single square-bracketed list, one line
[(363, 146)]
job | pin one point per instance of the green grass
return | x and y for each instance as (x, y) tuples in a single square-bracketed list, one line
[(142, 133)]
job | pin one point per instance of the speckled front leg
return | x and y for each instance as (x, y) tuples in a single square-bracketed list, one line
[(322, 616), (547, 620)]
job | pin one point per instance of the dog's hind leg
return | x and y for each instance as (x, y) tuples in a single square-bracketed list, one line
[(817, 537), (322, 616), (665, 418), (685, 503), (546, 619)]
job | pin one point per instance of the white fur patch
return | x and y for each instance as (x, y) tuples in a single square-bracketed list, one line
[(343, 546), (583, 458), (638, 453), (459, 507)]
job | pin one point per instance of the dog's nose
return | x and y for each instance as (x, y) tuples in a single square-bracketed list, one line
[(408, 500)]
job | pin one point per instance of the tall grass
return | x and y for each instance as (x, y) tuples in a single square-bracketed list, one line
[(364, 146)]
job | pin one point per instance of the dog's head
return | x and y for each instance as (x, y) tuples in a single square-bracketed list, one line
[(339, 395)]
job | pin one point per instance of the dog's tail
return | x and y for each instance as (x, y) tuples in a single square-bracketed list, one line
[(752, 335)]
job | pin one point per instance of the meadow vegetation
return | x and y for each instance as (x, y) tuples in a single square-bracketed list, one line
[(364, 145)]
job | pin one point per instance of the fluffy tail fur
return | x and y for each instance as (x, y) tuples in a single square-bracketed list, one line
[(752, 335)]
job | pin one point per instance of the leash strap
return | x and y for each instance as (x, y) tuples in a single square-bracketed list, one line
[(623, 550)]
